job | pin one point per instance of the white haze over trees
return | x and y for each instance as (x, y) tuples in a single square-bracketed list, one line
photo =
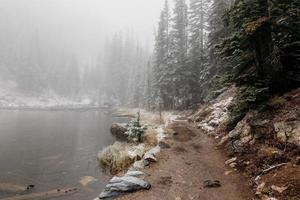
[(88, 51)]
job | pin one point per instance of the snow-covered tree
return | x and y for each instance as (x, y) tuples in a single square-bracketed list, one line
[(161, 77), (179, 54), (198, 19), (198, 28)]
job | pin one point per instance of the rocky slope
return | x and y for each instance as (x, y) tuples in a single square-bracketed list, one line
[(265, 144)]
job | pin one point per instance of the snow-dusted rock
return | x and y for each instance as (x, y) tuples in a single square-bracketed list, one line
[(212, 115), (228, 162), (152, 154), (119, 131), (138, 164), (121, 185), (278, 189), (232, 165), (224, 140), (243, 133), (218, 115), (288, 131), (154, 151), (260, 188), (242, 129), (164, 145), (150, 158), (134, 173), (136, 152)]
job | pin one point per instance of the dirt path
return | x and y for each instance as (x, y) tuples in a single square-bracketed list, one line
[(182, 169)]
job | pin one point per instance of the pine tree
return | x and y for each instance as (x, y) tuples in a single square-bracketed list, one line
[(147, 85), (256, 49), (178, 55), (114, 63), (213, 70), (217, 28), (162, 79), (198, 20)]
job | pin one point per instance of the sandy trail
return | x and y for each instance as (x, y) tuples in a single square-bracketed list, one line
[(182, 169)]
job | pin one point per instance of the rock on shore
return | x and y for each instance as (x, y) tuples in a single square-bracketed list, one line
[(122, 185), (119, 131)]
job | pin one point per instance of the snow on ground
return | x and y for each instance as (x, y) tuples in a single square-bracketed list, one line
[(218, 115), (160, 133), (10, 98), (211, 115), (170, 118)]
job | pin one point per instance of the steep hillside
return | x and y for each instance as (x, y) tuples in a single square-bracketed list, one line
[(265, 144)]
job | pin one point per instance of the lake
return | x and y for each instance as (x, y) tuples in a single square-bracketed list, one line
[(54, 149)]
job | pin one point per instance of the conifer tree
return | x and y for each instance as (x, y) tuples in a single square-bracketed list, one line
[(178, 55), (198, 26), (161, 70), (256, 49), (198, 19)]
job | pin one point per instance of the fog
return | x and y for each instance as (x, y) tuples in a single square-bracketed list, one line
[(64, 47), (83, 24)]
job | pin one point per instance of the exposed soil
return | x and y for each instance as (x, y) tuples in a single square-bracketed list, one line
[(183, 169), (269, 151), (181, 132), (288, 177)]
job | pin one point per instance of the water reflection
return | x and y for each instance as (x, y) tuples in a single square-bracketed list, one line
[(52, 149)]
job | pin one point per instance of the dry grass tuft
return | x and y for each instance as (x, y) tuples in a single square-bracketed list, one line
[(151, 137), (118, 157)]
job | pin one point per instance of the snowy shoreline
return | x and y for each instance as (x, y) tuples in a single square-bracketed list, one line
[(55, 108), (132, 179), (10, 99)]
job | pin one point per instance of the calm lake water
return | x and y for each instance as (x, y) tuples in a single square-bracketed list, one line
[(54, 149)]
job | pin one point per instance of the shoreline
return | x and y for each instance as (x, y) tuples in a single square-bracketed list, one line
[(147, 156), (58, 108), (177, 134)]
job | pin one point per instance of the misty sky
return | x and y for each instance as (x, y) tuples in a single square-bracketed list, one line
[(83, 25)]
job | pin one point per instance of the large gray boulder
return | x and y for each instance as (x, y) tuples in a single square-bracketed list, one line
[(119, 131), (122, 185)]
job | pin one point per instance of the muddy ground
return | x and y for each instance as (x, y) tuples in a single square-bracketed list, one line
[(183, 168)]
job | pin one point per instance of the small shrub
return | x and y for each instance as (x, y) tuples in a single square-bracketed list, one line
[(119, 156), (135, 131)]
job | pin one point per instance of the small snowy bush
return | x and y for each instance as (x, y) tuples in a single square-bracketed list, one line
[(135, 131)]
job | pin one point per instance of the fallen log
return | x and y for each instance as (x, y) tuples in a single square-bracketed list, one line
[(273, 167), (268, 170)]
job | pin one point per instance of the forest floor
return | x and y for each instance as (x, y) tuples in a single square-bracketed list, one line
[(183, 168)]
